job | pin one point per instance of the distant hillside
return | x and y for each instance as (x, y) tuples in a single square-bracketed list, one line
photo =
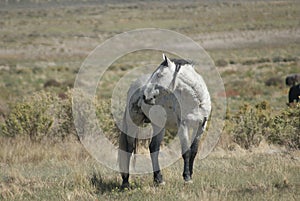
[(16, 4)]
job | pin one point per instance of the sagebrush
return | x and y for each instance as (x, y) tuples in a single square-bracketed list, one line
[(45, 115), (251, 124)]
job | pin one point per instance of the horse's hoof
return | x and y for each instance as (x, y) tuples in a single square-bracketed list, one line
[(187, 178), (188, 182), (125, 186), (160, 183)]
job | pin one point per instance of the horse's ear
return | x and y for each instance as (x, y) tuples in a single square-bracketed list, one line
[(167, 60), (164, 57)]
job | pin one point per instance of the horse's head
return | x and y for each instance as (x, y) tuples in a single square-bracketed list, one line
[(164, 77)]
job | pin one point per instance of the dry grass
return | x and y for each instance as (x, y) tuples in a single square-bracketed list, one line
[(31, 171)]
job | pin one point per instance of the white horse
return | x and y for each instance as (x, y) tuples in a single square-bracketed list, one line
[(181, 92)]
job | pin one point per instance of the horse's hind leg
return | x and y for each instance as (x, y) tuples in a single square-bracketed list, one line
[(185, 149), (154, 148), (127, 144), (195, 145), (194, 150)]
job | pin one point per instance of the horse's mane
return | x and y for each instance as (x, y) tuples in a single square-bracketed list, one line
[(180, 62)]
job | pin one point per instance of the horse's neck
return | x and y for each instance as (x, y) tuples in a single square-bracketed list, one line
[(189, 77), (190, 81)]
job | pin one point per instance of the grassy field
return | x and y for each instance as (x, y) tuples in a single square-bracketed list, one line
[(254, 45), (66, 172)]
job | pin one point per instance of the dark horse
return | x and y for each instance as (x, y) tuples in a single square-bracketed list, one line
[(181, 92), (294, 92)]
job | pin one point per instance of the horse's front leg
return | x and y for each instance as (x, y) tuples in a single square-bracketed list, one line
[(127, 145), (154, 148), (185, 150)]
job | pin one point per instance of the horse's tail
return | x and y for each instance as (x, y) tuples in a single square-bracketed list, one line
[(122, 153), (123, 145), (135, 150)]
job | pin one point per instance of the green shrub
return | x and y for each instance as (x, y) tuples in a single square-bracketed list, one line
[(284, 128), (46, 115), (42, 115), (29, 118), (106, 121), (63, 125), (253, 123), (93, 116), (248, 124)]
